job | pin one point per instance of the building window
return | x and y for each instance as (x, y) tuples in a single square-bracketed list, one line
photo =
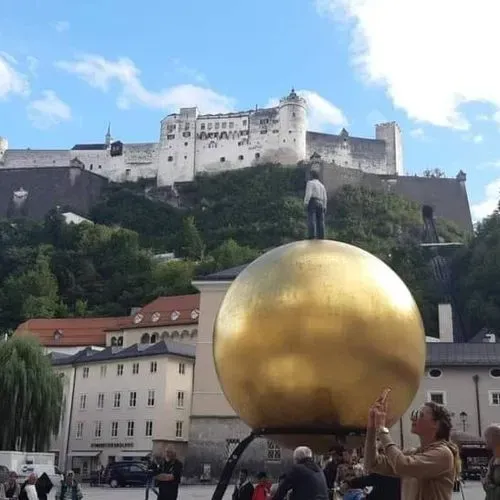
[(145, 338), (202, 126), (273, 452), (495, 373), (178, 428), (244, 123), (127, 172), (83, 401), (438, 397), (222, 159), (79, 430), (98, 429), (154, 367), (154, 337), (132, 402), (130, 428), (114, 429), (151, 397), (185, 144), (217, 125), (263, 131), (104, 369), (100, 400), (180, 399), (240, 157), (224, 125), (494, 398), (100, 166), (231, 124), (209, 126), (435, 373), (119, 370), (149, 428), (185, 157), (85, 372), (257, 156), (186, 134), (170, 158), (231, 445), (170, 136), (135, 368), (117, 400), (182, 368), (91, 167)]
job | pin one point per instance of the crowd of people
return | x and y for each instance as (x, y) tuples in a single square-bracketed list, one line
[(381, 471), (38, 488)]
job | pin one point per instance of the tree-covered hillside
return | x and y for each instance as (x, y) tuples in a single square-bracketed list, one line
[(52, 269)]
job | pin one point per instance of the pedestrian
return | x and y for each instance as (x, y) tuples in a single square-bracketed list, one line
[(315, 201), (243, 489), (11, 487), (491, 481), (305, 479), (427, 473), (69, 488), (262, 488), (170, 476), (28, 489)]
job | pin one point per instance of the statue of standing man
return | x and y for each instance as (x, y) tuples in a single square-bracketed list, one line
[(315, 201)]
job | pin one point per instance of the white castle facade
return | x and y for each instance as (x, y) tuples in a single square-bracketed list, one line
[(191, 143)]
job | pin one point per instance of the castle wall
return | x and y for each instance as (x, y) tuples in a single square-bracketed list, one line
[(29, 158)]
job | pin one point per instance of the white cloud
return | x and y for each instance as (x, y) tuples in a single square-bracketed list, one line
[(489, 204), (483, 118), (374, 117), (477, 139), (417, 133), (430, 56), (101, 73), (187, 71), (322, 114), (62, 26), (48, 110), (11, 81), (33, 64)]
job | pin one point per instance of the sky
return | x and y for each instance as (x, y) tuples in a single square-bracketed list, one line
[(67, 69)]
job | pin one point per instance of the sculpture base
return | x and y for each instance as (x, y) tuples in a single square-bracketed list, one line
[(318, 439)]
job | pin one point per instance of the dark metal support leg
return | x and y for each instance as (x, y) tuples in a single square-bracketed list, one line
[(228, 470)]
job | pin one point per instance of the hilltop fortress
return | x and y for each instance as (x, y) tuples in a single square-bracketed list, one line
[(191, 143)]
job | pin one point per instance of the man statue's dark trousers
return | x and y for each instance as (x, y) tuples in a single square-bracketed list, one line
[(315, 219)]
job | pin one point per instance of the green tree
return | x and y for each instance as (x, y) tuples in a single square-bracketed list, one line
[(194, 248), (231, 254), (31, 395)]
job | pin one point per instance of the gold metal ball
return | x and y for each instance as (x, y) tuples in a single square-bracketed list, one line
[(308, 336)]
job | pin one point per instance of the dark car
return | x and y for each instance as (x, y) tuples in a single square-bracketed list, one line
[(127, 474)]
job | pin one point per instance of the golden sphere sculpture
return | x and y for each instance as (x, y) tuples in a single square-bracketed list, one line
[(309, 334)]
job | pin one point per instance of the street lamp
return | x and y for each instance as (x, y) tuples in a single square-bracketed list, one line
[(463, 419)]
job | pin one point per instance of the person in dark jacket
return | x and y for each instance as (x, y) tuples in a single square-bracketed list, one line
[(384, 487), (305, 478), (169, 477), (243, 489)]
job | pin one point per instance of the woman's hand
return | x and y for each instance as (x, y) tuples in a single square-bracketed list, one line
[(378, 411)]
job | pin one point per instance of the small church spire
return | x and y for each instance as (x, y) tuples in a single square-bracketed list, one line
[(108, 135)]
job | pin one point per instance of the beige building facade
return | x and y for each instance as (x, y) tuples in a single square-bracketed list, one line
[(464, 377), (120, 401)]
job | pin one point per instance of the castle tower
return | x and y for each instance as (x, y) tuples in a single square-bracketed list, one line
[(4, 145), (293, 128), (391, 134), (177, 147), (107, 139)]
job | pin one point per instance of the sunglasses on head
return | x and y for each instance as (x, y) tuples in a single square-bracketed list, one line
[(416, 414)]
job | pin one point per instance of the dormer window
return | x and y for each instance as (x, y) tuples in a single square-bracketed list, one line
[(175, 315)]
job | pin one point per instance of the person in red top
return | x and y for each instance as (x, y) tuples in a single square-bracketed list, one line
[(262, 488)]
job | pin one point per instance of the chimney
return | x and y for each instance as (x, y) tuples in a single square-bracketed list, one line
[(445, 320)]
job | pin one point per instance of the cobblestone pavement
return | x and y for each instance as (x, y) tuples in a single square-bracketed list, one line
[(472, 491)]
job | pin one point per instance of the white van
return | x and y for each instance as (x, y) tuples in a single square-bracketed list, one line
[(52, 471)]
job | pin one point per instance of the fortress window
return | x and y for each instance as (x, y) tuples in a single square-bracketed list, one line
[(231, 124), (293, 114), (257, 156), (170, 158), (276, 121), (264, 122), (275, 131), (289, 131), (224, 124), (244, 123), (240, 157), (185, 157), (186, 134), (202, 126), (185, 144), (217, 125), (127, 172), (284, 140), (209, 126), (186, 126), (170, 136), (222, 159), (91, 167), (263, 131), (100, 166)]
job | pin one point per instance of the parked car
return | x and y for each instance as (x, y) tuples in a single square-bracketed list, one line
[(127, 474)]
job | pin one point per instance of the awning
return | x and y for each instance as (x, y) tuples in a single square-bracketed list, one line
[(133, 454), (84, 453)]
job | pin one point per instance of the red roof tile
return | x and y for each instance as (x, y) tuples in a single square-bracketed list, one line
[(70, 332), (165, 311)]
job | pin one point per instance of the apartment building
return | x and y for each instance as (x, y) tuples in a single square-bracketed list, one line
[(121, 402)]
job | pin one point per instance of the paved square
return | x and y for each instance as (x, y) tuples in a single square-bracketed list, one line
[(472, 491)]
